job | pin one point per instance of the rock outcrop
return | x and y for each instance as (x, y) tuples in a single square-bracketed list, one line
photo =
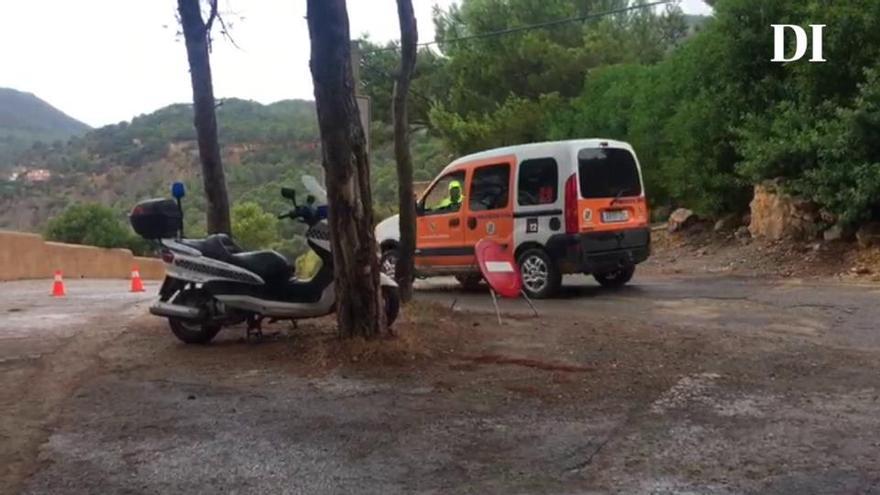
[(868, 235), (681, 219), (777, 215)]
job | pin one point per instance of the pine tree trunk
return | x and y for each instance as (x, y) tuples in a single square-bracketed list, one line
[(359, 308), (196, 34), (406, 202)]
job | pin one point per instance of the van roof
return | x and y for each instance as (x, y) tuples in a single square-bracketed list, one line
[(549, 147)]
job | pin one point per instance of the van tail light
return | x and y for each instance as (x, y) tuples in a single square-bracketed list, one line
[(571, 205), (167, 256)]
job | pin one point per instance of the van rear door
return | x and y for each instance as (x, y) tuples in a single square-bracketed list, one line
[(611, 192)]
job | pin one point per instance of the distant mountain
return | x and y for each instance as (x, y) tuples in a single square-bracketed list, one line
[(26, 119)]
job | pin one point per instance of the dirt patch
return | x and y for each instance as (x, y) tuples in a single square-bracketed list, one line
[(528, 363), (701, 251)]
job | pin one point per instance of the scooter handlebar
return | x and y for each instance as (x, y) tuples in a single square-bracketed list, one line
[(304, 214)]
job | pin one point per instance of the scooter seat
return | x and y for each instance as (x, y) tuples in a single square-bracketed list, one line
[(269, 265), (217, 246)]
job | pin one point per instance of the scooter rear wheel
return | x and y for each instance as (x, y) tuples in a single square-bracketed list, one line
[(193, 332)]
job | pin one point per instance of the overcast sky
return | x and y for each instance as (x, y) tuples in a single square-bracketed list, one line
[(104, 61)]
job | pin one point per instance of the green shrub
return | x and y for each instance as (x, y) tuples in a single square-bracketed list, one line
[(93, 225), (252, 227)]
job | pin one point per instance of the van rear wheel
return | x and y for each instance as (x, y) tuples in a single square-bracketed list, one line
[(617, 278), (540, 276)]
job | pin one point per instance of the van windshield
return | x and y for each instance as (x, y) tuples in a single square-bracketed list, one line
[(608, 173)]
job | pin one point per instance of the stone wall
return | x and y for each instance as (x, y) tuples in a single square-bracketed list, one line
[(28, 256)]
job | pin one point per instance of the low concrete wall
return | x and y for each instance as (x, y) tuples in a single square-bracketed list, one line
[(27, 256)]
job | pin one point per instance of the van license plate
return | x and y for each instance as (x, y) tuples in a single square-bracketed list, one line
[(615, 216)]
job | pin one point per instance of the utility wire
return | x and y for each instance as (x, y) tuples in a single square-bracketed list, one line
[(530, 27)]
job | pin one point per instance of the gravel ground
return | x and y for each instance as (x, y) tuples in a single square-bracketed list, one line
[(676, 385)]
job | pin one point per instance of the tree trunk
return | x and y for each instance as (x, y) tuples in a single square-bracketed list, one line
[(196, 33), (359, 308), (408, 39)]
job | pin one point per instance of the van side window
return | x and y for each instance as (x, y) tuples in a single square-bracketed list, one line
[(490, 187), (538, 182), (445, 197)]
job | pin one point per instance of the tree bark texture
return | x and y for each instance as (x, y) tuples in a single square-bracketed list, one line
[(196, 33), (359, 308), (409, 37)]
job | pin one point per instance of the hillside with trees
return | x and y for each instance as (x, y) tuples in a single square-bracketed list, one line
[(263, 148), (26, 119)]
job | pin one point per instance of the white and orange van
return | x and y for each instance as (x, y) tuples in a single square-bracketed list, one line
[(561, 207)]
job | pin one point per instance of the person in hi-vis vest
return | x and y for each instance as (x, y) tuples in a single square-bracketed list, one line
[(454, 198)]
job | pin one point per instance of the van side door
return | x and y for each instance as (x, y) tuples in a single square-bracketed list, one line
[(490, 203), (439, 229)]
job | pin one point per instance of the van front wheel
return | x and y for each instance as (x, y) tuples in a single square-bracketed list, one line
[(540, 276), (617, 278)]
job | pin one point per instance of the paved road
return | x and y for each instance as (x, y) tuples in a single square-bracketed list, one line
[(695, 385), (48, 346), (32, 322), (837, 314)]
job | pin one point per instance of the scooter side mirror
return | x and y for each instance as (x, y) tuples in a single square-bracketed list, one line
[(289, 193)]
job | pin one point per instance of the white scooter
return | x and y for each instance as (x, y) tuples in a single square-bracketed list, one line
[(211, 283)]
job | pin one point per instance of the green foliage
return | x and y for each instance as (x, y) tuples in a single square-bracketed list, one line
[(708, 114), (813, 125), (503, 74), (428, 87), (252, 227), (516, 120), (829, 154), (94, 225)]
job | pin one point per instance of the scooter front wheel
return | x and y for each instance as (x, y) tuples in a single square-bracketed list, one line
[(391, 298)]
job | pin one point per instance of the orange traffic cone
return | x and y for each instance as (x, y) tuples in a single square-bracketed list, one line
[(137, 285), (58, 286)]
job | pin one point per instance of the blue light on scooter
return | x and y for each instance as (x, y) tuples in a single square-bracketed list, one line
[(322, 212), (178, 190)]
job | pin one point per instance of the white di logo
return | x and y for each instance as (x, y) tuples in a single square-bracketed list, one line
[(800, 35)]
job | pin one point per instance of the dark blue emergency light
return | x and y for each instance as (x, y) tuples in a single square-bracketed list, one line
[(178, 190)]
